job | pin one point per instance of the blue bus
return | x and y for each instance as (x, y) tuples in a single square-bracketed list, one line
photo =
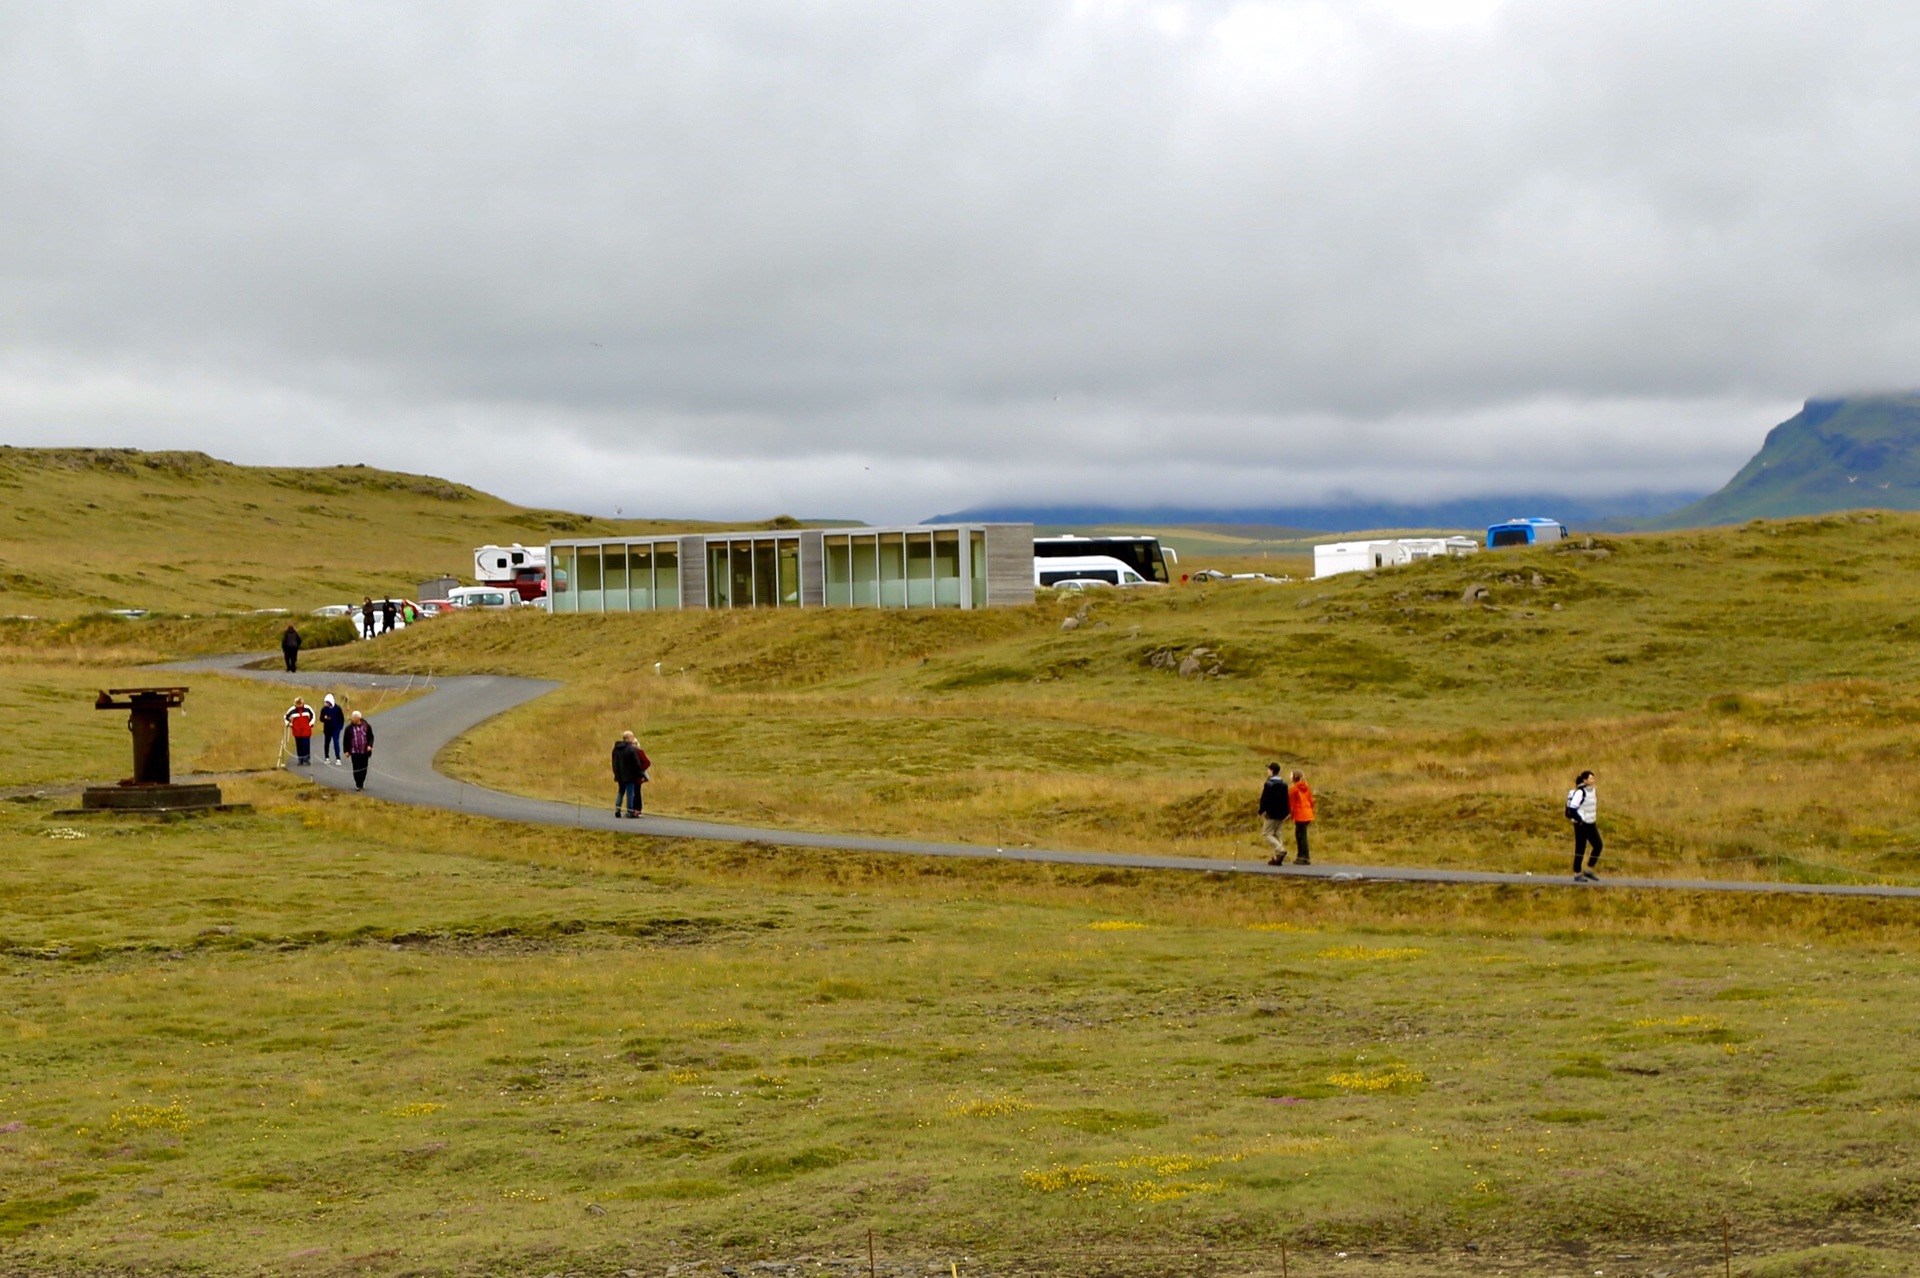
[(1529, 531)]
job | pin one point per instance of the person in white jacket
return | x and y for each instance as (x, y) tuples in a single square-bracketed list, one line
[(1583, 810)]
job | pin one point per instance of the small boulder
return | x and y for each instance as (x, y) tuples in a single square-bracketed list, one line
[(1071, 623), (1475, 593)]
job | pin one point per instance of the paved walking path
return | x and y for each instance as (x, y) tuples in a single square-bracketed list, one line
[(411, 735)]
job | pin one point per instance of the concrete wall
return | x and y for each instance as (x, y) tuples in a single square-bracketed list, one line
[(1009, 565), (693, 572)]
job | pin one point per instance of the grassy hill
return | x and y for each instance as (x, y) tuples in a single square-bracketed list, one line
[(336, 1036), (1746, 694), (90, 529), (1835, 454)]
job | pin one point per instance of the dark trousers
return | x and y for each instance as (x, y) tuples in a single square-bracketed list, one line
[(330, 748), (1584, 837), (293, 658), (366, 625), (1300, 842), (628, 800), (360, 770), (303, 749)]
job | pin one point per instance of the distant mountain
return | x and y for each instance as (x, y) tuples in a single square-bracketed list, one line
[(1353, 516), (1835, 454)]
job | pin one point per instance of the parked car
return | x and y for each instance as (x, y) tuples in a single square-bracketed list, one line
[(486, 597), (435, 607), (335, 610)]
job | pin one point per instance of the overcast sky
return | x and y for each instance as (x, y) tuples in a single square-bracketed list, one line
[(877, 260)]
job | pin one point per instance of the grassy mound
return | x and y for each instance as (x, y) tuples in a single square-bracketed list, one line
[(92, 529), (1747, 696)]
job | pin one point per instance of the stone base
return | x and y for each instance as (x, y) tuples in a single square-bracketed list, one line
[(149, 798)]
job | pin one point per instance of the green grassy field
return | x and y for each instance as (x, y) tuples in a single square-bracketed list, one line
[(336, 1037), (1747, 697)]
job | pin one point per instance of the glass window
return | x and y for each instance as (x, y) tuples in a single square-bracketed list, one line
[(589, 592), (615, 571), (977, 548), (719, 576), (919, 570), (946, 570), (562, 572), (640, 577), (766, 586), (893, 571), (666, 576), (839, 555), (789, 572), (866, 572), (740, 561)]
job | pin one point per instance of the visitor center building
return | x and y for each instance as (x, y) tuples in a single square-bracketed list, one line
[(918, 566)]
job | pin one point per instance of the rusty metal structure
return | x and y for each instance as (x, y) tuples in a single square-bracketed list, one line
[(151, 787)]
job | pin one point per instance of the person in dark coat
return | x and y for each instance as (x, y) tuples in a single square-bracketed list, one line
[(388, 611), (366, 618), (1274, 812), (630, 764), (290, 648), (359, 737), (332, 720)]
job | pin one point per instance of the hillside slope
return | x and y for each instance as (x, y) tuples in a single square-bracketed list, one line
[(88, 529), (1835, 454)]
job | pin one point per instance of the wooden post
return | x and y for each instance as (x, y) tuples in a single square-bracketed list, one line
[(1283, 1258), (870, 1268)]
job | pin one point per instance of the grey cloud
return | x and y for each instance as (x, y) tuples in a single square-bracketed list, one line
[(882, 259)]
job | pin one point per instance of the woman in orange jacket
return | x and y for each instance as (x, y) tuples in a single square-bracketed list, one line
[(1300, 801)]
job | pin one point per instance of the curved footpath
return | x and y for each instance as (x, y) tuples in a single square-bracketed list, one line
[(411, 735)]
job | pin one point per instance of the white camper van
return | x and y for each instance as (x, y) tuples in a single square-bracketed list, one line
[(523, 569), (1364, 556)]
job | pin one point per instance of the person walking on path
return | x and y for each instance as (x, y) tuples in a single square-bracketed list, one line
[(300, 721), (366, 617), (359, 737), (332, 720), (1274, 811), (388, 611), (290, 648), (1300, 804), (1583, 811), (630, 764)]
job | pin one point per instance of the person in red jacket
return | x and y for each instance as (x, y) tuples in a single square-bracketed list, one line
[(1300, 801), (300, 721)]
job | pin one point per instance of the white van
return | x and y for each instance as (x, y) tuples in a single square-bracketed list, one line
[(1056, 569), (484, 597)]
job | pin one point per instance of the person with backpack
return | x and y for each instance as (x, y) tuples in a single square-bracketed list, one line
[(1583, 811), (290, 648), (359, 739), (630, 764), (1300, 804), (1274, 812), (300, 722), (332, 720)]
